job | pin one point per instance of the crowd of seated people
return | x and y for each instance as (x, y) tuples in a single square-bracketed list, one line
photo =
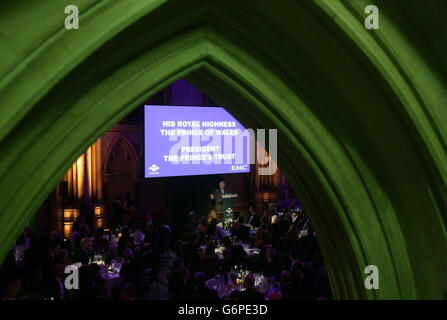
[(41, 270), (288, 255)]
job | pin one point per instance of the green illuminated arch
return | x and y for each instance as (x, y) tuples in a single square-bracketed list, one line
[(360, 113)]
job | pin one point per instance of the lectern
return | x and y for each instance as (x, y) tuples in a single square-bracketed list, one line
[(228, 205)]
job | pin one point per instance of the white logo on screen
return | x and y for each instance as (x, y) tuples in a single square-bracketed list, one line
[(239, 168), (154, 168)]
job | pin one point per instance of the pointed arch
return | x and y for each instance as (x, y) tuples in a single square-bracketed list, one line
[(130, 152)]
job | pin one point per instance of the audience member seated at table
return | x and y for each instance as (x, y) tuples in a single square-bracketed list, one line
[(138, 235), (284, 223), (54, 287), (74, 243), (274, 219), (210, 260), (303, 223), (238, 253), (49, 259), (146, 259), (32, 251), (240, 231), (190, 254), (62, 257), (227, 263), (212, 229), (87, 287), (129, 266), (289, 289), (128, 292), (212, 215), (125, 241), (151, 235), (85, 252), (177, 265), (164, 232), (100, 244), (254, 218), (49, 240), (174, 275), (202, 227), (31, 257), (11, 288), (306, 281), (292, 233), (180, 286), (272, 268), (308, 245), (193, 223), (250, 293), (262, 242), (201, 292)]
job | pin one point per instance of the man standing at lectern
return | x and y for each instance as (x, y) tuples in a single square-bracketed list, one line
[(217, 197)]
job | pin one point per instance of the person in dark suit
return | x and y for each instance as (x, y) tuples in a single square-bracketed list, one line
[(130, 265), (180, 286), (54, 288), (49, 259), (254, 219), (240, 231), (210, 260), (201, 292), (147, 259), (250, 292), (272, 267), (238, 254), (218, 201), (289, 289), (294, 256), (84, 252)]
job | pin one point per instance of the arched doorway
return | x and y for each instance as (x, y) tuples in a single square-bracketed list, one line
[(363, 197), (120, 171)]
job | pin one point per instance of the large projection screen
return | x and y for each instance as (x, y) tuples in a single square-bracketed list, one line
[(187, 141)]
